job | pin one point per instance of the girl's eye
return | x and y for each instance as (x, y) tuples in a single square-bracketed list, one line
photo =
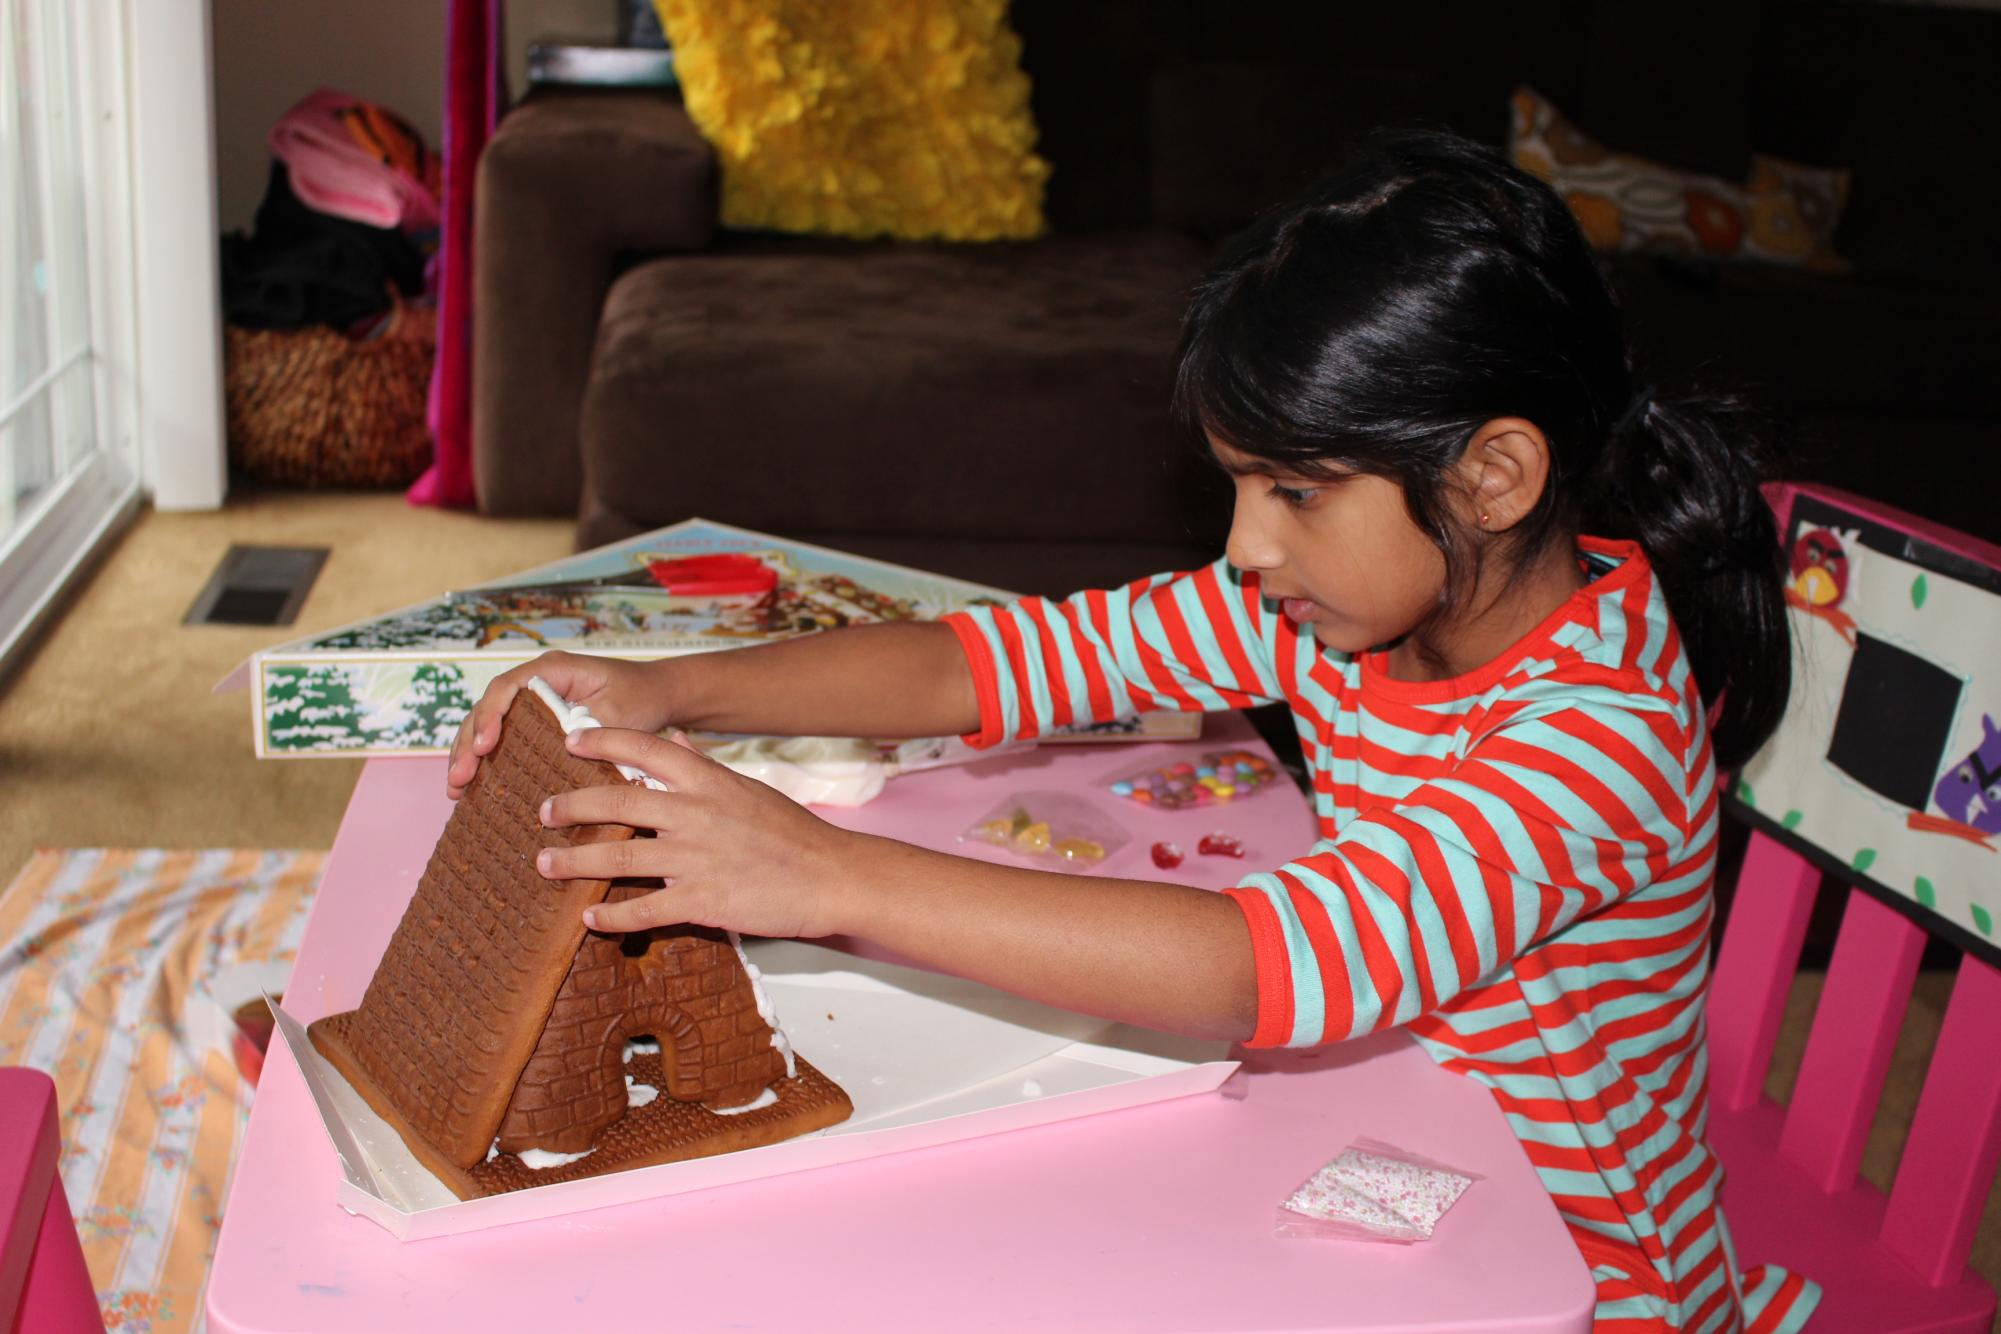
[(1293, 495)]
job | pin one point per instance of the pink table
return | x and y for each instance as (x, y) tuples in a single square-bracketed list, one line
[(1157, 1217)]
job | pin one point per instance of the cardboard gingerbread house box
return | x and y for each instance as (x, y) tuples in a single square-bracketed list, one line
[(401, 683)]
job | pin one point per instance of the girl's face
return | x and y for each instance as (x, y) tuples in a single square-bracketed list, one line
[(1341, 556)]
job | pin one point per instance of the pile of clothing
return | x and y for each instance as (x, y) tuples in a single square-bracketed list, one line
[(351, 212)]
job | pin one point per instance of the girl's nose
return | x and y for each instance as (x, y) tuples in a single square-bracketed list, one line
[(1250, 546)]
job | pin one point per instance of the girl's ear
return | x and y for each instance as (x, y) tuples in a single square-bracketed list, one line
[(1506, 467)]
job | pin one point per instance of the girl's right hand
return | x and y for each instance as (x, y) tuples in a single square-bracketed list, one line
[(617, 692)]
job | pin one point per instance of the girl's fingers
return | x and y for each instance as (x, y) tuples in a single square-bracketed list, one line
[(480, 732), (660, 908), (460, 768), (675, 763), (612, 860), (477, 736), (618, 803)]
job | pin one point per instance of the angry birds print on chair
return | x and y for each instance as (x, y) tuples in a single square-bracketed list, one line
[(1819, 563), (1888, 762), (1820, 567), (1970, 791)]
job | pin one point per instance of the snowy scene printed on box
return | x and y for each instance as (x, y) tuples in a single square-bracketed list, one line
[(403, 682), (1888, 762)]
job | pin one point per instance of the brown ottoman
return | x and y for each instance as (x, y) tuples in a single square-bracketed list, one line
[(1001, 409)]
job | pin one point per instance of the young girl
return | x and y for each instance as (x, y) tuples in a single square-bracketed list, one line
[(1509, 595)]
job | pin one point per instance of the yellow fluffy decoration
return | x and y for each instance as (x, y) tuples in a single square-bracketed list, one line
[(860, 118)]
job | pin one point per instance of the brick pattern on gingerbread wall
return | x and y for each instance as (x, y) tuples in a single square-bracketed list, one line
[(687, 989)]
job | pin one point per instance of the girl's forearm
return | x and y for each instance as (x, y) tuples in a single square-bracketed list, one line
[(899, 680), (1163, 956)]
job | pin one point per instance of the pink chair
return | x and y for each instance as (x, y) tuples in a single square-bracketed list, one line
[(1897, 737), (44, 1286)]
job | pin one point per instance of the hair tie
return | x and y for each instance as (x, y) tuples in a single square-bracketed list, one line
[(1636, 411)]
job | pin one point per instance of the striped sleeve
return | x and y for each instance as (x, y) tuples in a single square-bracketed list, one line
[(1197, 641), (1565, 806)]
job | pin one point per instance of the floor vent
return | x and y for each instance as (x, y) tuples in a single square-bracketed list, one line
[(257, 586)]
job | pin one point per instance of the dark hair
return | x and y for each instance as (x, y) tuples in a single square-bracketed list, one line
[(1379, 320)]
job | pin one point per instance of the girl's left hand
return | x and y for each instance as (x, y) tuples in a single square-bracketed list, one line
[(733, 852)]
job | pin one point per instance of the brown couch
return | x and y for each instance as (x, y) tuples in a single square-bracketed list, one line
[(999, 411)]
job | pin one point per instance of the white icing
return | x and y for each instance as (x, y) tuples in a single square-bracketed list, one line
[(1030, 1089), (812, 770), (641, 1047), (542, 1160), (638, 1095), (493, 1151), (577, 718), (765, 1010), (764, 1099)]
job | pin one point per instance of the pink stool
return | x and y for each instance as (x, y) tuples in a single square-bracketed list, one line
[(1886, 1264), (44, 1286)]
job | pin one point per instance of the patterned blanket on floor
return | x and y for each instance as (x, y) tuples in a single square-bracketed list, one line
[(112, 964)]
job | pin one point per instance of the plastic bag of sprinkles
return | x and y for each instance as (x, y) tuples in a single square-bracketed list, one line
[(1372, 1191)]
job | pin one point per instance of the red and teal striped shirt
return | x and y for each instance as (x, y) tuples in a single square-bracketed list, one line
[(1517, 865)]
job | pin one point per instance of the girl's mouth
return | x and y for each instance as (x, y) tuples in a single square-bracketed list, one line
[(1298, 609)]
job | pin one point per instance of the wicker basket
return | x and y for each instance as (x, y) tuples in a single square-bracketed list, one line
[(314, 407)]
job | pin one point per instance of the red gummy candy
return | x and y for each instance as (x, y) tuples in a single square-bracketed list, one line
[(1167, 856), (1220, 845)]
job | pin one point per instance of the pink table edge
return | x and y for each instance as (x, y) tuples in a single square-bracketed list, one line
[(1157, 1217)]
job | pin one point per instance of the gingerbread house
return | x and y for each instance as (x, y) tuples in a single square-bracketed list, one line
[(510, 1047)]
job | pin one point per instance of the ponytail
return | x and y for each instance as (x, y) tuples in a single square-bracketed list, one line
[(1680, 476)]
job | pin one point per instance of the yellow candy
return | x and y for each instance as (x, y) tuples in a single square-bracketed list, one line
[(1035, 838), (1225, 790), (995, 831), (1079, 850)]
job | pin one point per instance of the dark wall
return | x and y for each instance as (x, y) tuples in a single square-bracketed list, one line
[(1195, 114)]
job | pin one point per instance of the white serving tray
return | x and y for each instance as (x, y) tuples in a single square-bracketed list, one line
[(926, 1059)]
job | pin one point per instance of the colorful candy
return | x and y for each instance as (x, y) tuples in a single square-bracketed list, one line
[(1167, 856), (1079, 850), (1211, 779), (1004, 830), (1220, 845)]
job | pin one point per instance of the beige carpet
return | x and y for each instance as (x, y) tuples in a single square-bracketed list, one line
[(109, 736)]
